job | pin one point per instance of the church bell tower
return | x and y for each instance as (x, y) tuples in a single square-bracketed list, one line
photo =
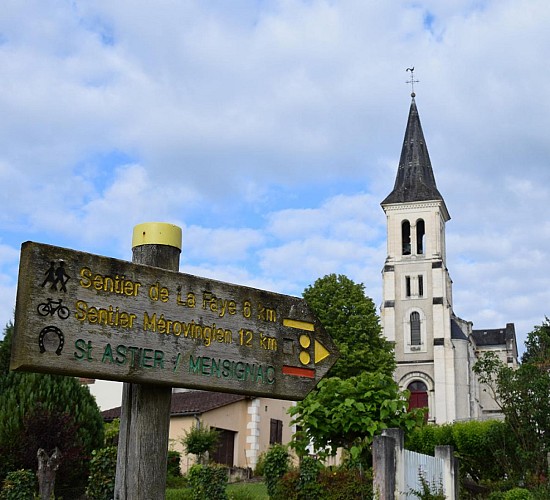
[(417, 313)]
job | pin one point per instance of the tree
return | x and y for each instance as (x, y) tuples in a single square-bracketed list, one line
[(45, 411), (201, 441), (538, 345), (522, 395), (349, 413), (350, 318), (5, 350), (360, 397)]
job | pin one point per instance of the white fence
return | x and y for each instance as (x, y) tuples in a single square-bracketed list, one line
[(396, 471), (416, 464)]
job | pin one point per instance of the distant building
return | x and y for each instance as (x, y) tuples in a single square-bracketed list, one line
[(247, 425), (435, 349)]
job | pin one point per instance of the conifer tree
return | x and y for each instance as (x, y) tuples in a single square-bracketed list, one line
[(44, 411)]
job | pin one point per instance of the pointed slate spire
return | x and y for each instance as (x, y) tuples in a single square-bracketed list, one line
[(415, 180)]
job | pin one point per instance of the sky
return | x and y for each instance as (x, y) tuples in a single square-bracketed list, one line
[(270, 131)]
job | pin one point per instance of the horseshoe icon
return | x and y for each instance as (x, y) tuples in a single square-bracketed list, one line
[(56, 331)]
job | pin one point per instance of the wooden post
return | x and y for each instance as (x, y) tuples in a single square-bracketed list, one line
[(47, 469), (145, 416)]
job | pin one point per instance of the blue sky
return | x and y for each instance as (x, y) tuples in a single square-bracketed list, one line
[(270, 131)]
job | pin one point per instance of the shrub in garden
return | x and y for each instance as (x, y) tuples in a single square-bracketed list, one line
[(173, 463), (276, 465), (208, 481), (18, 485), (101, 482), (345, 484), (201, 441), (518, 494), (308, 486)]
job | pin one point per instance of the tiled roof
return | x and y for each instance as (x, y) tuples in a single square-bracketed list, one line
[(496, 336), (189, 403)]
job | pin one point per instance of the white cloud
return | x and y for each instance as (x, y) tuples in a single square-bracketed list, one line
[(271, 130)]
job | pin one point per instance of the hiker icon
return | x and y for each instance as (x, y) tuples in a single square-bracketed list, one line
[(55, 276)]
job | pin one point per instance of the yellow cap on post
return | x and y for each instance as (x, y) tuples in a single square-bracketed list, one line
[(157, 233)]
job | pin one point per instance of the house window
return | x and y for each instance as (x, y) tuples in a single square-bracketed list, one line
[(275, 431), (420, 285), (420, 235), (406, 237), (416, 338), (407, 286)]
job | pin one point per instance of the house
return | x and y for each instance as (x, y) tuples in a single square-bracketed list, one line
[(434, 348), (247, 425)]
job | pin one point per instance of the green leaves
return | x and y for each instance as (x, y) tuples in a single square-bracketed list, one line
[(200, 439), (350, 318), (522, 395), (348, 413)]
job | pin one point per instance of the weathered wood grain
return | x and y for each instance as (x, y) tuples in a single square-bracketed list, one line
[(136, 323)]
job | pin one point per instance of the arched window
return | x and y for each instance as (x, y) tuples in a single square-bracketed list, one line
[(416, 338), (420, 235), (419, 394), (406, 237)]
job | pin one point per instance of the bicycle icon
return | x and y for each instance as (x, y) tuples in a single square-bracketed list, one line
[(51, 307)]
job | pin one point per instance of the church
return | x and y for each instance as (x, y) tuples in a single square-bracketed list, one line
[(434, 348)]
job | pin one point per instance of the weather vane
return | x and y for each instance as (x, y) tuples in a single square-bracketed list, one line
[(412, 81)]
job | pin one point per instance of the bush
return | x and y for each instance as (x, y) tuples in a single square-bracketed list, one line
[(308, 486), (208, 481), (18, 485), (286, 488), (101, 482), (173, 463), (276, 465), (259, 469), (345, 484), (200, 440), (518, 494)]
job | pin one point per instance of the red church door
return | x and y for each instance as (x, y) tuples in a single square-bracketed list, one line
[(419, 395)]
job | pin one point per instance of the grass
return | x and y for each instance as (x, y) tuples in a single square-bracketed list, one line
[(236, 491), (244, 491)]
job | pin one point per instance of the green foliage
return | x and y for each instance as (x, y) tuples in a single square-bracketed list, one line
[(523, 397), (518, 494), (345, 484), (111, 432), (276, 464), (247, 491), (482, 447), (208, 481), (341, 483), (260, 464), (178, 494), (19, 485), (241, 493), (5, 349), (428, 490), (348, 413), (350, 318), (308, 485), (286, 488), (537, 345), (199, 440), (173, 463), (101, 482), (38, 409)]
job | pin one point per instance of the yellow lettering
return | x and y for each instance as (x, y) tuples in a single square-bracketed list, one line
[(117, 284)]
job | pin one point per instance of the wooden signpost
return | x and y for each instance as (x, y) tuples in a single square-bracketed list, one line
[(92, 316)]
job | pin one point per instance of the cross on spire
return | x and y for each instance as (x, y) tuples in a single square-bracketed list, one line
[(412, 81)]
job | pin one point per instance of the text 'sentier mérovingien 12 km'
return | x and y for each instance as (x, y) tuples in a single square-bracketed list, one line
[(91, 316)]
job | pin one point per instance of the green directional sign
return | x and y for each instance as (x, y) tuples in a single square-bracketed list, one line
[(96, 317)]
